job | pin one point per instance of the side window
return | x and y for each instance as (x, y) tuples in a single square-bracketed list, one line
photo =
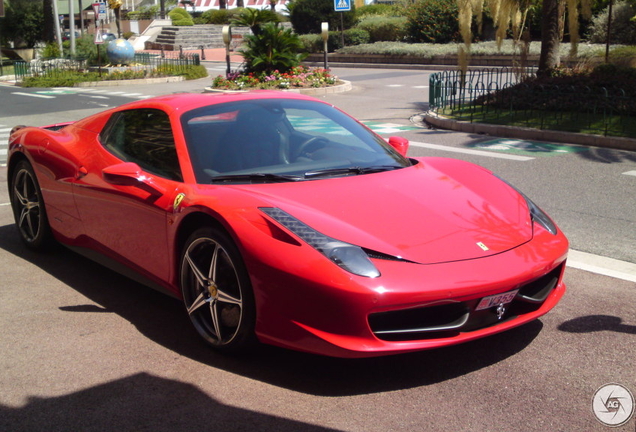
[(143, 136)]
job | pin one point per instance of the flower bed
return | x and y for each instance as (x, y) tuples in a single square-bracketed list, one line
[(297, 77)]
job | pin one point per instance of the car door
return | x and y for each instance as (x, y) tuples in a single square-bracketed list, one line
[(127, 190)]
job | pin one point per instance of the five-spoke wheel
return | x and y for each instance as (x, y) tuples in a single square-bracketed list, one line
[(216, 290), (28, 207)]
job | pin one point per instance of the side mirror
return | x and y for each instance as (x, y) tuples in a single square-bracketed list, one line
[(130, 174), (400, 144)]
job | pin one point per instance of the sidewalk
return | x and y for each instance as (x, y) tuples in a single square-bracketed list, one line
[(209, 54)]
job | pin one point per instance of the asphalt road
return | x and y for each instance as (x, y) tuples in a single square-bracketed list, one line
[(83, 348)]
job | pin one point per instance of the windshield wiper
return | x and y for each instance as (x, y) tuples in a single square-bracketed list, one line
[(349, 170), (254, 178)]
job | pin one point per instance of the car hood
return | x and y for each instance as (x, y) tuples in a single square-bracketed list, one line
[(438, 210)]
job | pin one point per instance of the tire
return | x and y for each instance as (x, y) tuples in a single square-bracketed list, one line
[(216, 291), (28, 208)]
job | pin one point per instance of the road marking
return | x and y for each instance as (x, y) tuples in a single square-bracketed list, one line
[(528, 147), (33, 95), (600, 265), (95, 96), (395, 85), (471, 152), (630, 173)]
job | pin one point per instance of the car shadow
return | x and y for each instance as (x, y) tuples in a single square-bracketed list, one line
[(141, 402), (596, 323), (163, 320)]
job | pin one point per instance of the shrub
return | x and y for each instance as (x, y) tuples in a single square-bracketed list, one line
[(51, 50), (214, 16), (433, 21), (180, 17), (274, 48), (623, 30), (352, 37), (307, 15), (377, 9), (384, 29), (311, 43)]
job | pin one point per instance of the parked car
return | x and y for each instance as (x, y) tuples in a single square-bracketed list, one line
[(276, 217)]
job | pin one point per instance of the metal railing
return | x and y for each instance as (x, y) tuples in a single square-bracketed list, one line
[(501, 96), (175, 62)]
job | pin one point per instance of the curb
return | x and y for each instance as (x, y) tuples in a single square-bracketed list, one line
[(431, 119), (345, 86), (115, 83)]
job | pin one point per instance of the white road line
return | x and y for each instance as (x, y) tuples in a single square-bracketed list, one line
[(471, 152), (95, 96), (395, 85), (601, 265), (420, 87), (33, 95), (630, 173)]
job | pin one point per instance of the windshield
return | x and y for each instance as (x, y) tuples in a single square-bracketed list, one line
[(269, 140)]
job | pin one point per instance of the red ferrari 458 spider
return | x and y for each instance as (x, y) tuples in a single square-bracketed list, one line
[(278, 218)]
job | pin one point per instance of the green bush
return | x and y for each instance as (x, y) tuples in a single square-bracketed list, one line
[(623, 30), (352, 37), (433, 21), (306, 16), (180, 17), (312, 43), (51, 50), (384, 29), (214, 16), (377, 9), (274, 48)]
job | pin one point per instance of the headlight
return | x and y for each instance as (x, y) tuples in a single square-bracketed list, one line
[(349, 257), (537, 215)]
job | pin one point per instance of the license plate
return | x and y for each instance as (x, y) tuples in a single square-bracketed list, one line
[(496, 300)]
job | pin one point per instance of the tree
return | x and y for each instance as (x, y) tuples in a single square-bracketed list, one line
[(274, 48), (23, 23), (511, 14), (306, 16)]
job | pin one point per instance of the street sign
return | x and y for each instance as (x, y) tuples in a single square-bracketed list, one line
[(342, 5), (98, 38)]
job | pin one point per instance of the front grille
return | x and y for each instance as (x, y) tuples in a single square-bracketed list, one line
[(451, 318)]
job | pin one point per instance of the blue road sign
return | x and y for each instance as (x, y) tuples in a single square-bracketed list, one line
[(342, 5)]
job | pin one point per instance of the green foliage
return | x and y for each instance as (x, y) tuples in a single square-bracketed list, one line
[(623, 30), (85, 48), (274, 48), (51, 50), (433, 21), (68, 78), (307, 15), (189, 72), (376, 9), (127, 35), (180, 17), (312, 43), (23, 23), (254, 18), (354, 36), (214, 16), (381, 28)]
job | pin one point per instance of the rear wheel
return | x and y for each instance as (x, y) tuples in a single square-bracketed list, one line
[(216, 290), (28, 207)]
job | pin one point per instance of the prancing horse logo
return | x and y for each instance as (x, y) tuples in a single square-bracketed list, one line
[(500, 311)]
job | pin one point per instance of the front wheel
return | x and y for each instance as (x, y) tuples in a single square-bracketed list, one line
[(216, 290), (28, 207)]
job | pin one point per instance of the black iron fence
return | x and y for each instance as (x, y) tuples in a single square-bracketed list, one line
[(170, 61), (503, 96)]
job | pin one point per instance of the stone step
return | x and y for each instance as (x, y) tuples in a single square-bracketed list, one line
[(173, 38)]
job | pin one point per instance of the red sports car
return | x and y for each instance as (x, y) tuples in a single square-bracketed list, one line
[(278, 218)]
